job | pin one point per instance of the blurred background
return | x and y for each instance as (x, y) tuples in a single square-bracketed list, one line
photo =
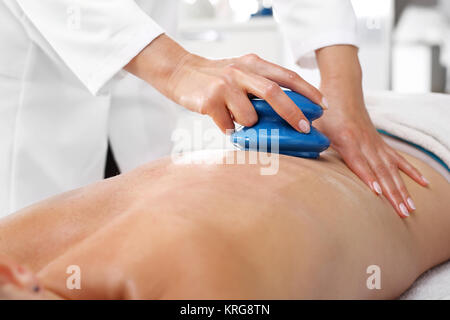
[(402, 42), (403, 45)]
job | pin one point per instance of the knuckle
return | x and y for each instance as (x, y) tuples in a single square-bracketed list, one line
[(249, 120), (227, 126), (272, 90), (396, 195), (358, 162), (365, 135), (251, 58), (230, 70), (208, 104), (317, 94), (291, 115), (381, 169), (402, 162), (403, 191), (347, 135), (391, 165), (414, 170), (219, 86), (206, 107), (395, 155), (408, 166), (293, 75)]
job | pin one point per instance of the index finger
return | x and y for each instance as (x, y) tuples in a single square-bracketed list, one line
[(275, 96), (284, 77)]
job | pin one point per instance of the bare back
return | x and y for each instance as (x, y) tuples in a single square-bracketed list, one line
[(297, 231)]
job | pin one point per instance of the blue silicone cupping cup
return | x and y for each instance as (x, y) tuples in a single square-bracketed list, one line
[(273, 134)]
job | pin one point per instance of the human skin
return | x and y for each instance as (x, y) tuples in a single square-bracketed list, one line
[(220, 89), (216, 231), (352, 133)]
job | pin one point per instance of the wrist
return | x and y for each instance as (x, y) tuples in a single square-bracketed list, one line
[(343, 91), (341, 74), (182, 69), (157, 62), (338, 61), (350, 78)]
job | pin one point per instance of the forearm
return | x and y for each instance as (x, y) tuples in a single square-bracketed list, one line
[(157, 63), (341, 77)]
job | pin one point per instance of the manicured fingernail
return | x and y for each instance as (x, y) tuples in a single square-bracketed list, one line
[(377, 187), (425, 180), (304, 126), (403, 209), (324, 104), (411, 203)]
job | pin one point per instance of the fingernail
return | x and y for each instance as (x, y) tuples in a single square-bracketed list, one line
[(425, 180), (324, 103), (411, 203), (377, 187), (304, 126), (403, 209)]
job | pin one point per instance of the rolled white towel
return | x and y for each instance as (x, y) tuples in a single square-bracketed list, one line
[(432, 285), (423, 119)]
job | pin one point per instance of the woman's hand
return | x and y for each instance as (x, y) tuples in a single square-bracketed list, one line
[(352, 133), (354, 137), (220, 88)]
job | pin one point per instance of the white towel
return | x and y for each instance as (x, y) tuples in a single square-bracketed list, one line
[(423, 119), (433, 284)]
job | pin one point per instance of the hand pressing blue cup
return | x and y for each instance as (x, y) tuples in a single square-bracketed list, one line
[(273, 134)]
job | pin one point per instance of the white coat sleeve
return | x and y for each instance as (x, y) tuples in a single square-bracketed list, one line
[(309, 25), (94, 38)]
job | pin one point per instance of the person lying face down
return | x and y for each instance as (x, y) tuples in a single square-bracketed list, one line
[(174, 231)]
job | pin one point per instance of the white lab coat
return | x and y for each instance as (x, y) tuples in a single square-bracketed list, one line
[(312, 24), (63, 92)]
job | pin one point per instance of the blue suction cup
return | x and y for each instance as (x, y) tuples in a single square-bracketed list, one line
[(273, 134)]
